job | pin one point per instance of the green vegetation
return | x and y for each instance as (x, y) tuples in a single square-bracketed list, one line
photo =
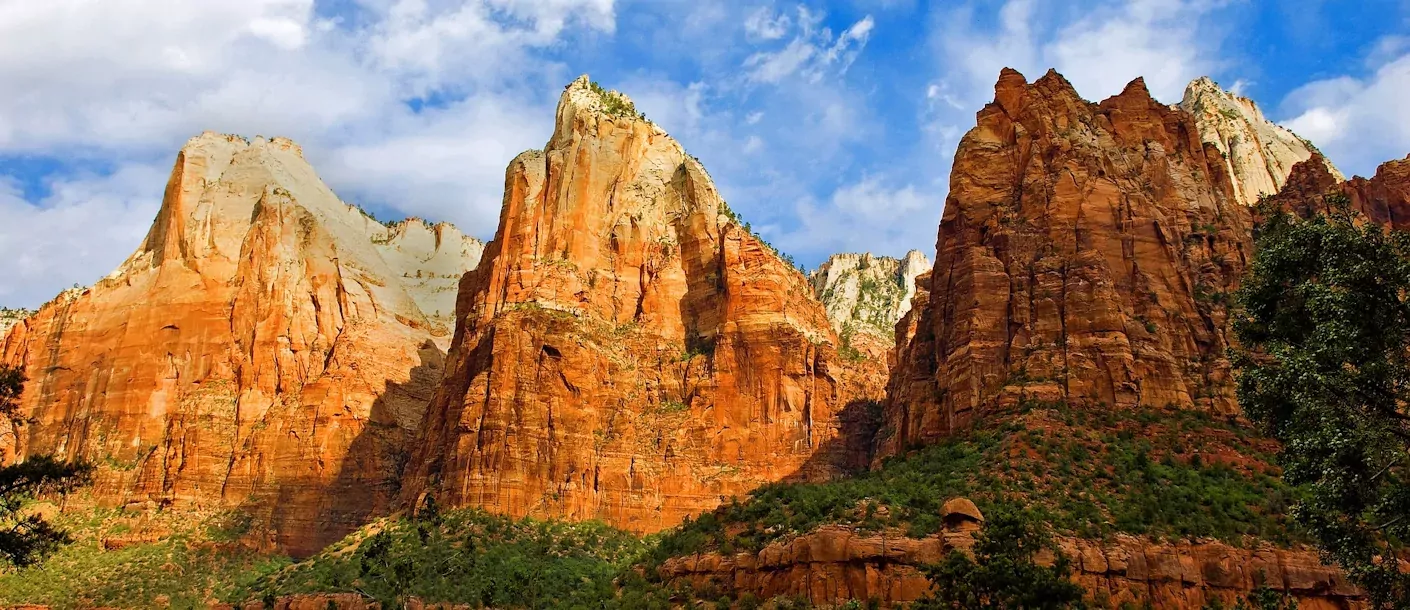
[(1325, 318), (1091, 472), (180, 566), (470, 556), (1003, 574), (616, 104), (26, 537)]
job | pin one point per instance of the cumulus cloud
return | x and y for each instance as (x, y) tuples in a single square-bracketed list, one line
[(1099, 49), (411, 104), (814, 52), (876, 214), (1357, 122), (55, 242)]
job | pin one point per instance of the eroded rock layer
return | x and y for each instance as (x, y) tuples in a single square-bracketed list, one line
[(260, 350), (835, 564), (1258, 154), (626, 351), (1085, 254)]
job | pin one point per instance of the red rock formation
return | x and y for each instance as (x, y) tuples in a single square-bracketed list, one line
[(257, 351), (1084, 254), (626, 351), (1383, 198), (835, 564)]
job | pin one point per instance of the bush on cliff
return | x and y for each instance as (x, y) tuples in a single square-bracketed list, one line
[(27, 537)]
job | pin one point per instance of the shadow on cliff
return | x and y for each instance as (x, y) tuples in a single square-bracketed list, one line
[(306, 516), (848, 453)]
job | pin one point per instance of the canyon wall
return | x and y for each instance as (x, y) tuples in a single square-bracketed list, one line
[(1085, 254), (265, 348), (627, 351)]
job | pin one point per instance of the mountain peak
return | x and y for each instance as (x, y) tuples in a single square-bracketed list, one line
[(1258, 154)]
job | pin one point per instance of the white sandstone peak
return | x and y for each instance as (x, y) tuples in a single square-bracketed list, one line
[(1259, 154)]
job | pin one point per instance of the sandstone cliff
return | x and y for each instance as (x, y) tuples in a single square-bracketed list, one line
[(835, 564), (865, 293), (266, 348), (1258, 154), (1085, 254), (626, 351)]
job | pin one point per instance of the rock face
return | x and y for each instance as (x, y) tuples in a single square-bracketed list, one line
[(835, 564), (1258, 153), (265, 348), (865, 293), (1384, 198), (10, 317), (626, 351), (1085, 254)]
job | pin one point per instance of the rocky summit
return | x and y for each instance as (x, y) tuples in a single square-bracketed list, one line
[(1085, 255), (627, 351), (865, 293), (267, 347), (1258, 154)]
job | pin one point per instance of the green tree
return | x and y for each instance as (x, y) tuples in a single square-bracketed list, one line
[(26, 537), (1003, 574), (1324, 325)]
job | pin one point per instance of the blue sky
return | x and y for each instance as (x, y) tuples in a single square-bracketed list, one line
[(831, 126)]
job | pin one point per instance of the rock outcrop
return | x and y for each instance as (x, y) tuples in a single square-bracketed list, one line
[(626, 351), (1258, 153), (867, 294), (10, 317), (835, 564), (1085, 254), (268, 347), (1383, 198)]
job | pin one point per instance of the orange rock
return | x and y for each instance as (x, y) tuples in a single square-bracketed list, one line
[(260, 350), (1126, 571), (626, 351), (1084, 255)]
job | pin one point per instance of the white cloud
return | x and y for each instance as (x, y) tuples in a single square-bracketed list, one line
[(115, 80), (763, 24), (1358, 122), (813, 53), (87, 220), (1107, 46), (875, 214)]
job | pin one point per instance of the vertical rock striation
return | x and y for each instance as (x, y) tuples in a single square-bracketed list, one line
[(1258, 153), (1085, 254), (262, 349), (626, 351)]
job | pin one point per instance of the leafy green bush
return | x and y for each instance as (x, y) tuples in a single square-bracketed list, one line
[(1003, 572), (470, 556)]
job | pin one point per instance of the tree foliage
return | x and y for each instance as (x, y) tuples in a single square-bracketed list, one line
[(26, 538), (1324, 326), (1003, 573)]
